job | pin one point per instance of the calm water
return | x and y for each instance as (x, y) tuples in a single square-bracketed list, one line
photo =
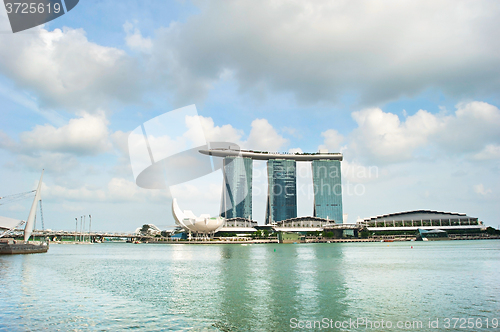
[(147, 287)]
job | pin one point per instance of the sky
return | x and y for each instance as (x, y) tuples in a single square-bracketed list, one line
[(408, 91)]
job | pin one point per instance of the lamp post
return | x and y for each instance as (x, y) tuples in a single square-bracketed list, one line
[(76, 227), (90, 228), (81, 223), (84, 228)]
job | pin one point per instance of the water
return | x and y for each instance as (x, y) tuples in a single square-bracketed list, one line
[(148, 287)]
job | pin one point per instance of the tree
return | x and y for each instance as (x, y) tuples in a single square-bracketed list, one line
[(365, 233), (490, 230), (328, 235)]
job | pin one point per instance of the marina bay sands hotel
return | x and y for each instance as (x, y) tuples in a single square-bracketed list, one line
[(282, 179)]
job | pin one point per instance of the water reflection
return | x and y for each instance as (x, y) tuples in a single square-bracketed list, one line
[(264, 286), (245, 288)]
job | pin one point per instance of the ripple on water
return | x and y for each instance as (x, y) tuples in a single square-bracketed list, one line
[(111, 287)]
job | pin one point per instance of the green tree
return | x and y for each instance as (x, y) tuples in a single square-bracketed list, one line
[(328, 235)]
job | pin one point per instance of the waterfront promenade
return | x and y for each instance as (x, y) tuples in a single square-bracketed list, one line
[(67, 237)]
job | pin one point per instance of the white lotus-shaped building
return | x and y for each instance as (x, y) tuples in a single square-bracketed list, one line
[(202, 224)]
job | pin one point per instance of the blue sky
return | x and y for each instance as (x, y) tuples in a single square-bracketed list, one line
[(407, 88)]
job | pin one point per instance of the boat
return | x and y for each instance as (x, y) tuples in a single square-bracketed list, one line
[(7, 225)]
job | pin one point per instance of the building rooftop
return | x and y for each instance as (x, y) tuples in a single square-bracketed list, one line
[(421, 214), (264, 155)]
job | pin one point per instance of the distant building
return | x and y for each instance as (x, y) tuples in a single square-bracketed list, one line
[(240, 222), (424, 219), (239, 226), (282, 187), (282, 190), (202, 225), (327, 190), (237, 188), (148, 230)]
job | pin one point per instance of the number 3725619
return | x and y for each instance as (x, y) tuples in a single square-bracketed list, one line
[(32, 8)]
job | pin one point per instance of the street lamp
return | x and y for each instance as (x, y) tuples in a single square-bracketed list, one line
[(83, 228), (90, 227)]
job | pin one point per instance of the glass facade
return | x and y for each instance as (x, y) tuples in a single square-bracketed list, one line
[(282, 190), (327, 190), (237, 188)]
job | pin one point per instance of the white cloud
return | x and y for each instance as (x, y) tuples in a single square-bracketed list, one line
[(316, 50), (134, 38), (491, 151), (211, 132), (120, 189), (473, 126), (264, 137), (87, 135), (383, 137), (119, 140), (55, 148), (73, 194), (117, 190), (201, 195), (481, 190), (355, 172), (322, 49), (64, 69), (332, 140), (295, 150)]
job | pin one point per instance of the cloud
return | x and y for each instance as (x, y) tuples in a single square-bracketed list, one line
[(295, 150), (264, 137), (87, 135), (56, 148), (123, 190), (491, 151), (317, 51), (63, 69), (383, 137), (321, 50), (134, 39), (119, 139), (211, 132), (479, 189), (117, 190), (73, 194), (473, 126), (332, 140)]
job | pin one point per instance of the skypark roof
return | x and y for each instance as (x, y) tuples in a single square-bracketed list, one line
[(260, 155)]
